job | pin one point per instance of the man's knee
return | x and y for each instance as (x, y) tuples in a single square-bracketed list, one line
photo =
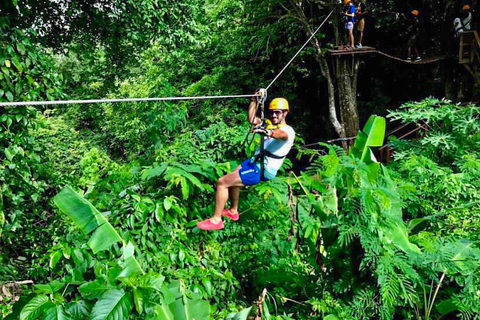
[(222, 182)]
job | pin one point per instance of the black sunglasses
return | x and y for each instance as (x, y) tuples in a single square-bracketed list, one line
[(277, 112)]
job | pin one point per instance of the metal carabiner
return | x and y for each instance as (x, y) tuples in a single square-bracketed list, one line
[(262, 97)]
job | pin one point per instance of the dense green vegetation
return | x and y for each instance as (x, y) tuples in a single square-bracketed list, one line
[(99, 202)]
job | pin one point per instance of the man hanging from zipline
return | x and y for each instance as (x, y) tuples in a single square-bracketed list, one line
[(278, 140)]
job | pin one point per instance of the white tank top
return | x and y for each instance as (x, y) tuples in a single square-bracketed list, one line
[(278, 148)]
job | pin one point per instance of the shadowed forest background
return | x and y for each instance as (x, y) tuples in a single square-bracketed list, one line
[(99, 202)]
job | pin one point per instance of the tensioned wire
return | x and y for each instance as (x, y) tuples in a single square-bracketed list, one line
[(298, 52), (46, 103), (60, 102)]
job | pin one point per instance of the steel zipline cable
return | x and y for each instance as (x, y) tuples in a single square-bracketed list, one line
[(46, 103), (300, 50), (62, 102)]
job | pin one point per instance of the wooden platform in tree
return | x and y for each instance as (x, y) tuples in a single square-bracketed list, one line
[(340, 51)]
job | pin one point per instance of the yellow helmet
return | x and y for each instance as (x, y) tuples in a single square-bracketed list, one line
[(279, 104), (466, 7), (415, 12)]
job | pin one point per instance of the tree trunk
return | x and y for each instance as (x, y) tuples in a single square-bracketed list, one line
[(346, 74)]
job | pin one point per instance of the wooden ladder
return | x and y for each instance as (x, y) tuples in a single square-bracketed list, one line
[(469, 55)]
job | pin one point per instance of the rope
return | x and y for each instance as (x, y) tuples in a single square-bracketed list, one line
[(59, 102), (300, 50), (432, 60), (366, 50)]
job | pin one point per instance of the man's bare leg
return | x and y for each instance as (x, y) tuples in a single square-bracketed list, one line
[(351, 38), (360, 38), (221, 198), (234, 197)]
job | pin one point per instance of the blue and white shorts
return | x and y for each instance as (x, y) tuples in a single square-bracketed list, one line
[(250, 173), (349, 25)]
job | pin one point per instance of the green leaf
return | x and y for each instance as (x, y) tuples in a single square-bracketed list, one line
[(17, 64), (181, 255), (177, 306), (415, 222), (78, 257), (397, 233), (162, 312), (184, 308), (113, 305), (154, 172), (87, 218), (446, 307), (56, 313), (373, 135), (130, 265), (242, 315), (94, 289), (7, 63), (2, 221), (35, 307), (103, 238), (330, 317), (167, 203), (21, 48), (9, 96), (54, 258), (79, 309), (138, 298), (208, 286), (30, 79), (49, 288), (8, 154), (83, 214)]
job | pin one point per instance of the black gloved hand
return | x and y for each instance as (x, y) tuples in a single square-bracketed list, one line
[(263, 131)]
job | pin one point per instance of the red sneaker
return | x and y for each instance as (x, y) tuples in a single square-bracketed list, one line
[(228, 214), (209, 225)]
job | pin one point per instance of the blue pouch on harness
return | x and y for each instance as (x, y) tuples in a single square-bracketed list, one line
[(250, 173)]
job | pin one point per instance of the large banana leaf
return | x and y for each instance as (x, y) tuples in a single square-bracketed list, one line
[(178, 306), (88, 219), (372, 135)]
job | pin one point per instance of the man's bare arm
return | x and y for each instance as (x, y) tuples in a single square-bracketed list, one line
[(252, 112), (279, 134)]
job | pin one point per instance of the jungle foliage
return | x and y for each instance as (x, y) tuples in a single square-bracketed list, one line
[(98, 203)]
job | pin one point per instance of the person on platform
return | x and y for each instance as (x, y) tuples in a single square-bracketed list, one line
[(361, 13), (349, 13)]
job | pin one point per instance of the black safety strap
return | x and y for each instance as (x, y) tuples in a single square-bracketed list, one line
[(267, 154), (274, 156)]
